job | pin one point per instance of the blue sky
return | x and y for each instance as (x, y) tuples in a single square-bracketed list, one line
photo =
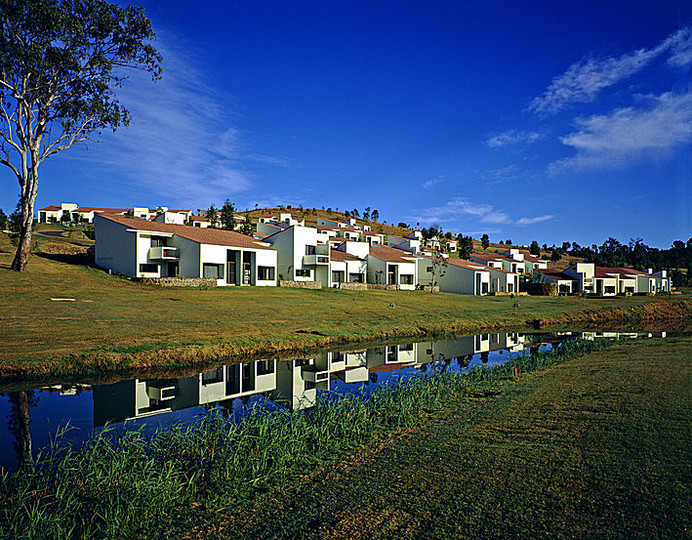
[(556, 121)]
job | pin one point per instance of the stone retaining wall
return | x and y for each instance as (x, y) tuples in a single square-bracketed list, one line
[(179, 282), (300, 284), (353, 286), (436, 288), (383, 287)]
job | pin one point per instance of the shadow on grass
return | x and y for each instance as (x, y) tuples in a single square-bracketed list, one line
[(78, 259)]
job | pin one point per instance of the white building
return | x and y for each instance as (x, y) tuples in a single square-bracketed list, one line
[(454, 275), (143, 248), (391, 266), (608, 281), (303, 254)]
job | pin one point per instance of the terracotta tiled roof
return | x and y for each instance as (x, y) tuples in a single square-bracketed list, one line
[(51, 208), (339, 256), (390, 254), (217, 237)]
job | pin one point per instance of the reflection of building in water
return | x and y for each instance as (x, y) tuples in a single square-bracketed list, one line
[(138, 398), (299, 380), (613, 335), (294, 384)]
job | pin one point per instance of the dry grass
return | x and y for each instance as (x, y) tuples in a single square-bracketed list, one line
[(118, 324)]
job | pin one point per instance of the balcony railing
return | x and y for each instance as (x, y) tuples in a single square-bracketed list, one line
[(311, 260), (164, 253)]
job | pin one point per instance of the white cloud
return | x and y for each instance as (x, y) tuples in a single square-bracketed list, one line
[(461, 210), (628, 133), (181, 146), (513, 137), (583, 80), (534, 220)]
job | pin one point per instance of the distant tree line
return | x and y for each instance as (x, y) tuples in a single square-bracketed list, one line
[(636, 254)]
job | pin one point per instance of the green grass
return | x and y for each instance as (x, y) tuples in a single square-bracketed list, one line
[(595, 446), (186, 476), (117, 325)]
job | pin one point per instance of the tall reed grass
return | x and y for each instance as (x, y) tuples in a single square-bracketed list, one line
[(161, 485)]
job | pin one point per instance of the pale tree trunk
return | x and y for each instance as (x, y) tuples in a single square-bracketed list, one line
[(29, 185)]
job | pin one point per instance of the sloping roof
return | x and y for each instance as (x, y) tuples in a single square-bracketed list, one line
[(556, 274), (469, 265), (491, 257), (216, 237), (99, 209), (340, 256), (533, 259), (604, 271), (390, 254), (51, 208)]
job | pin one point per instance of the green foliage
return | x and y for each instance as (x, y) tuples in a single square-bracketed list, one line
[(556, 255), (485, 241), (465, 246), (213, 216), (4, 221), (535, 249), (15, 219), (227, 215)]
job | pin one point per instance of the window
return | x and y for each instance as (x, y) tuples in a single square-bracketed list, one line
[(300, 272), (212, 271), (264, 367), (149, 268), (429, 269), (214, 376), (406, 279), (158, 241), (265, 273), (337, 275), (356, 278), (310, 250)]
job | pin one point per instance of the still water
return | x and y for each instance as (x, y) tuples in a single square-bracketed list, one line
[(31, 418)]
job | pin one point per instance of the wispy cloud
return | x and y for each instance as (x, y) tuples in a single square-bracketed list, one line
[(513, 137), (629, 134), (583, 80), (534, 220), (503, 174), (461, 211), (180, 146), (681, 48), (432, 182)]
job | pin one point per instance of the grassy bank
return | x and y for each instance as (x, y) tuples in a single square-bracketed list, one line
[(594, 447), (116, 325), (186, 476)]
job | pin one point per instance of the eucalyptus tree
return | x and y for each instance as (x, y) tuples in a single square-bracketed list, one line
[(60, 63)]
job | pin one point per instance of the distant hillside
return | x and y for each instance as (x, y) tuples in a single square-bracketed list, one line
[(311, 214)]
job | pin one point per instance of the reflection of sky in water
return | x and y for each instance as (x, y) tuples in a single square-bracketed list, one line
[(53, 410)]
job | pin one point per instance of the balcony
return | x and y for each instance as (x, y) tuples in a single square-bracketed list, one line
[(163, 253), (316, 376), (312, 260)]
